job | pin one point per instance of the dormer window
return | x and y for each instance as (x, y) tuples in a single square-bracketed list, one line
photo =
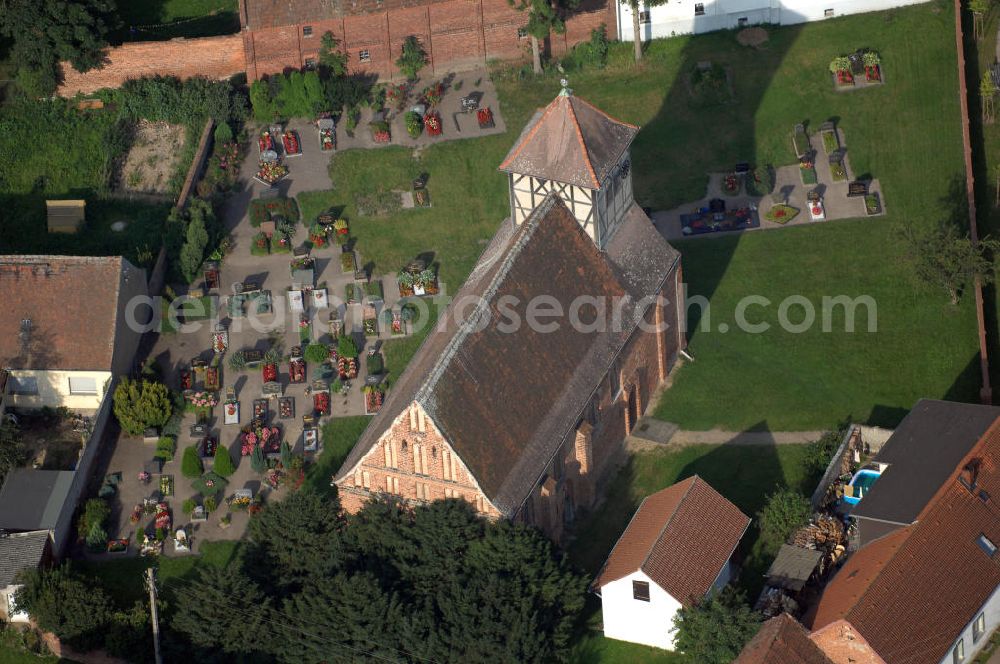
[(987, 545)]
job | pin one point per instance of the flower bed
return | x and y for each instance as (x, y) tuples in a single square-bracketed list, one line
[(212, 379), (318, 236), (341, 231), (808, 172), (395, 96), (220, 341), (187, 380), (202, 400), (273, 208), (269, 172), (290, 141), (167, 485), (269, 372), (432, 124), (353, 293), (260, 409), (117, 546), (800, 143), (873, 74), (421, 198), (257, 435), (321, 403), (838, 172), (371, 327), (260, 245), (781, 214), (485, 118), (207, 447), (433, 94), (830, 142), (286, 408), (380, 131), (348, 264), (872, 204), (414, 124), (373, 399), (162, 518), (265, 141), (347, 367)]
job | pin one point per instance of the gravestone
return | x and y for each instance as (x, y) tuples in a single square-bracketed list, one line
[(857, 188)]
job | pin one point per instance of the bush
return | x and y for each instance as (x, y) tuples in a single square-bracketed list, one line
[(223, 134), (97, 538), (95, 512), (346, 347), (223, 464), (292, 95), (591, 54), (316, 353), (785, 512), (715, 629), (257, 460), (188, 102), (140, 404), (412, 58), (191, 467), (210, 504), (165, 448), (188, 506), (414, 124), (66, 604)]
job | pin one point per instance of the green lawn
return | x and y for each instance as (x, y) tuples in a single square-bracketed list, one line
[(123, 578), (907, 134), (150, 20), (339, 436), (743, 474)]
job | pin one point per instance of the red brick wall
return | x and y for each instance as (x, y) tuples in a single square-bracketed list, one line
[(405, 430), (457, 34), (214, 57)]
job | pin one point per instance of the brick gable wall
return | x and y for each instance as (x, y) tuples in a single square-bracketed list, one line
[(419, 453), (213, 57), (572, 480)]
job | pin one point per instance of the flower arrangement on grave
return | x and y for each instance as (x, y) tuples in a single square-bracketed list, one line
[(373, 398), (405, 280), (326, 139), (143, 476), (203, 399), (380, 131), (269, 372), (414, 124), (297, 370), (395, 96), (428, 279), (187, 380), (303, 322), (259, 409), (433, 94), (260, 243), (321, 403), (806, 165), (732, 183), (485, 117), (273, 478), (421, 198), (285, 408), (271, 171), (238, 502), (230, 409), (162, 518), (136, 514), (166, 485), (212, 378), (117, 545), (318, 235), (816, 210), (266, 141), (432, 123), (290, 140), (219, 342), (841, 67), (257, 434), (871, 61), (397, 323), (341, 231)]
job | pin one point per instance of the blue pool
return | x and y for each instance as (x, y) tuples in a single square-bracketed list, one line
[(862, 482)]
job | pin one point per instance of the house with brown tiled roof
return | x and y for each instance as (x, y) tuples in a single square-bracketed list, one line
[(70, 326), (677, 548), (782, 640), (521, 416), (927, 590)]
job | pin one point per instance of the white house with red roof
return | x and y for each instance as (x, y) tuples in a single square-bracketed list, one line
[(677, 548)]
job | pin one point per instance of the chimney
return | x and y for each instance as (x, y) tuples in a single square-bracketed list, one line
[(969, 474)]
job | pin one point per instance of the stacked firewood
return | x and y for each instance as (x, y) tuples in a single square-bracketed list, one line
[(824, 534)]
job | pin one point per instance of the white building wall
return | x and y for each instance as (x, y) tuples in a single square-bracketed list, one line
[(991, 609), (628, 619), (53, 390), (679, 18)]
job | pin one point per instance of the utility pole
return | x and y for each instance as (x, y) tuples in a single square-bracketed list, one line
[(151, 583)]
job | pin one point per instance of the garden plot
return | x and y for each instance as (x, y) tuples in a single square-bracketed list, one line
[(153, 158)]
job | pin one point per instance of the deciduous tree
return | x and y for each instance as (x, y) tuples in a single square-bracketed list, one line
[(544, 17), (636, 6), (412, 58), (64, 603), (714, 630), (784, 512), (945, 257)]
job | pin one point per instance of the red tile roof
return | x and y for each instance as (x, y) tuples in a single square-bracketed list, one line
[(570, 141), (782, 640), (72, 305), (681, 537), (911, 593)]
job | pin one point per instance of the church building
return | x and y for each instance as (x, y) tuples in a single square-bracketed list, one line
[(523, 420)]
